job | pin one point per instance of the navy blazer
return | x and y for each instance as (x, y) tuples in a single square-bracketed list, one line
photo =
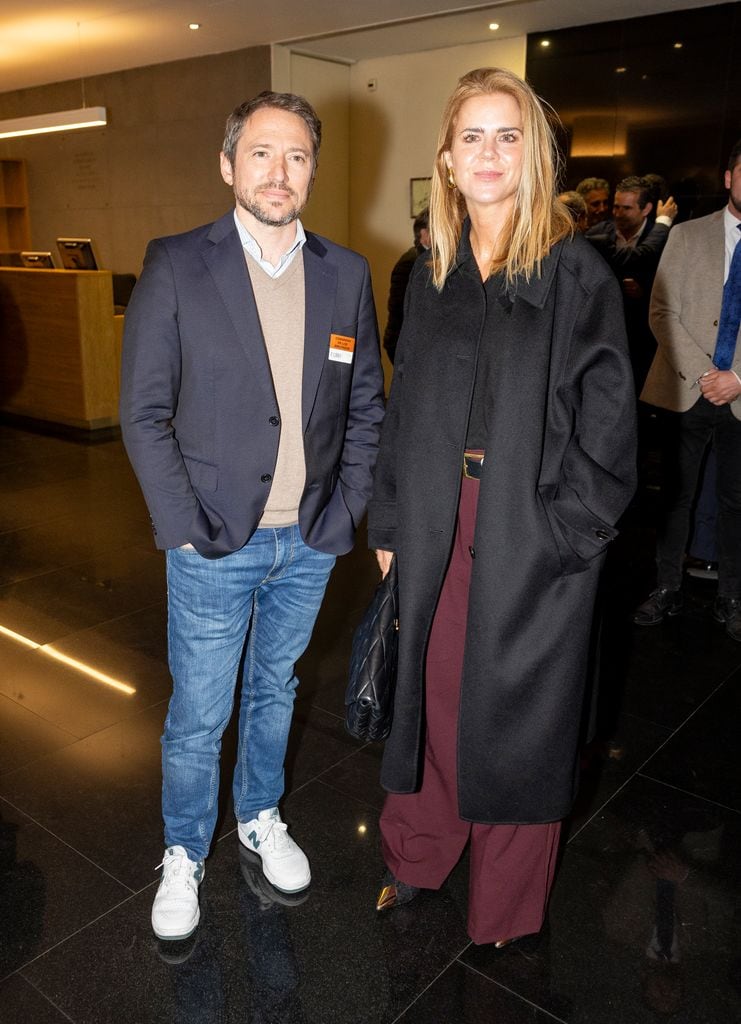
[(199, 415)]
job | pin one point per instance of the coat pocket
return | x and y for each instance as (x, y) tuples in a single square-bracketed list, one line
[(580, 536)]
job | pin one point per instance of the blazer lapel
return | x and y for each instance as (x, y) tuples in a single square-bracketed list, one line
[(716, 254), (320, 281), (226, 263)]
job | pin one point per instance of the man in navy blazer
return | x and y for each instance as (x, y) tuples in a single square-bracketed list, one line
[(251, 401)]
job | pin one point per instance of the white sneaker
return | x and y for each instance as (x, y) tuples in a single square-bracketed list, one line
[(175, 913), (284, 863)]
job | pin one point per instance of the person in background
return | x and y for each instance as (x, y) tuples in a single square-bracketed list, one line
[(695, 380), (596, 194), (399, 279), (251, 400), (632, 245), (658, 192), (577, 207), (507, 456)]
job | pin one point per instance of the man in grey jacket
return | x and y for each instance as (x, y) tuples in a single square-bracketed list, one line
[(696, 378)]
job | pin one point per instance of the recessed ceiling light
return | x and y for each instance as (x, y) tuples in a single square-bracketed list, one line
[(194, 26), (545, 42), (493, 25), (620, 71), (678, 46)]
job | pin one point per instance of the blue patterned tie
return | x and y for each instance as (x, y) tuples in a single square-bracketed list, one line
[(730, 314)]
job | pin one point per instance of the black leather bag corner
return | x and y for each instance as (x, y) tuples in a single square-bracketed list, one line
[(369, 700)]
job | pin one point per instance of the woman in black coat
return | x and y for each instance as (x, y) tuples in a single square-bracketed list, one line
[(507, 456)]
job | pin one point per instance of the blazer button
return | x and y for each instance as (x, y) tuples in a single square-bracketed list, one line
[(715, 323), (274, 421), (601, 535), (471, 551), (266, 478)]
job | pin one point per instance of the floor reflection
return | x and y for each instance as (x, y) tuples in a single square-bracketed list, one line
[(645, 920)]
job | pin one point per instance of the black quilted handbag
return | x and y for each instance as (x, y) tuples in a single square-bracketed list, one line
[(369, 700)]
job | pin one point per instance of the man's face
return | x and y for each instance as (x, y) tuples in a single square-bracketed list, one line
[(597, 206), (733, 184), (273, 167), (628, 214)]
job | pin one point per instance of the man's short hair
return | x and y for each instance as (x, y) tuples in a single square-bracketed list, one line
[(657, 187), (735, 155), (575, 204), (592, 185), (640, 186), (287, 101)]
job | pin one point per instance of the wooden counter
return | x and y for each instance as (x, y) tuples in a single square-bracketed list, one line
[(60, 346)]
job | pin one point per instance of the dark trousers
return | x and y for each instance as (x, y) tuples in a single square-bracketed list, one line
[(704, 541), (685, 436), (512, 866)]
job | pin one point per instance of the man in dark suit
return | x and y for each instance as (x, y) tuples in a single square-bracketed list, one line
[(250, 408), (632, 245), (400, 279)]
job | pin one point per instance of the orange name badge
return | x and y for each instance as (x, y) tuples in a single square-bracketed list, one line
[(341, 348)]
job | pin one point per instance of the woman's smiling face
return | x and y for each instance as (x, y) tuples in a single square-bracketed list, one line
[(485, 155)]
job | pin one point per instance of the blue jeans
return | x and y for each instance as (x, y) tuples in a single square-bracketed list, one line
[(260, 602)]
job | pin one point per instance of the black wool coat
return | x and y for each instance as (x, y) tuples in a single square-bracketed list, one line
[(559, 470)]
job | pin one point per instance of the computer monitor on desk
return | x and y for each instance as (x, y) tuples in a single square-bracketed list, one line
[(77, 253), (37, 260)]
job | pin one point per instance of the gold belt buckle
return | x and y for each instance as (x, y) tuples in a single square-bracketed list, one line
[(473, 458)]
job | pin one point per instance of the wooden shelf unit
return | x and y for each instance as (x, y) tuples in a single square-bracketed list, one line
[(15, 228)]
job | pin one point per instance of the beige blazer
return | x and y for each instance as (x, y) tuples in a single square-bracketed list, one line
[(685, 307)]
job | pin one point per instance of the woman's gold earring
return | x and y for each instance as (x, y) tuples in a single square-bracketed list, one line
[(451, 178)]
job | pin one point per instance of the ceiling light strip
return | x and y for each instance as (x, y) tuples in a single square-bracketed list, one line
[(60, 121)]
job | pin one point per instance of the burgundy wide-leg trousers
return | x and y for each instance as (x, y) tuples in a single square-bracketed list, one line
[(512, 866)]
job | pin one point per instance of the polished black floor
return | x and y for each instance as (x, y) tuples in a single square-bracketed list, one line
[(652, 861)]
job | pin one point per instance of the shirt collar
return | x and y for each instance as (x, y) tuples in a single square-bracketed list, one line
[(731, 225), (250, 243), (624, 242)]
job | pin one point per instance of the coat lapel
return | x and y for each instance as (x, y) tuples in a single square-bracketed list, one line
[(320, 281)]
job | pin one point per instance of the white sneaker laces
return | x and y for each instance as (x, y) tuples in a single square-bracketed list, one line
[(275, 835), (177, 872)]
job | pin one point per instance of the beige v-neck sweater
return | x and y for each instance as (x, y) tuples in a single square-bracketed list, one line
[(281, 306)]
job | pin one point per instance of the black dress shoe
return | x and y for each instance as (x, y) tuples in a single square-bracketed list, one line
[(660, 602), (395, 893), (728, 611)]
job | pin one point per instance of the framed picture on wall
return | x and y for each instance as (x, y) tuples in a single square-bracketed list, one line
[(419, 195)]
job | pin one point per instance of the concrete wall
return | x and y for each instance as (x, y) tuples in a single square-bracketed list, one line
[(153, 170)]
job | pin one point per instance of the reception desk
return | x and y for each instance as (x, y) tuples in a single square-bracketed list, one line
[(60, 346)]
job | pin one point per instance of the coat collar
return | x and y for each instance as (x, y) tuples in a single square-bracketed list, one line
[(535, 291)]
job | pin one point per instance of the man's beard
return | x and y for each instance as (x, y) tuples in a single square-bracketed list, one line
[(250, 201)]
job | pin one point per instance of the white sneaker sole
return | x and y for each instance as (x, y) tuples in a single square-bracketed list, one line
[(168, 935), (303, 884)]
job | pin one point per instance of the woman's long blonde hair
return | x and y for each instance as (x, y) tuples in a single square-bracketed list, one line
[(538, 218)]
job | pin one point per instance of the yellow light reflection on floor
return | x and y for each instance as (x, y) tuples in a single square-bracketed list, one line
[(79, 666)]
